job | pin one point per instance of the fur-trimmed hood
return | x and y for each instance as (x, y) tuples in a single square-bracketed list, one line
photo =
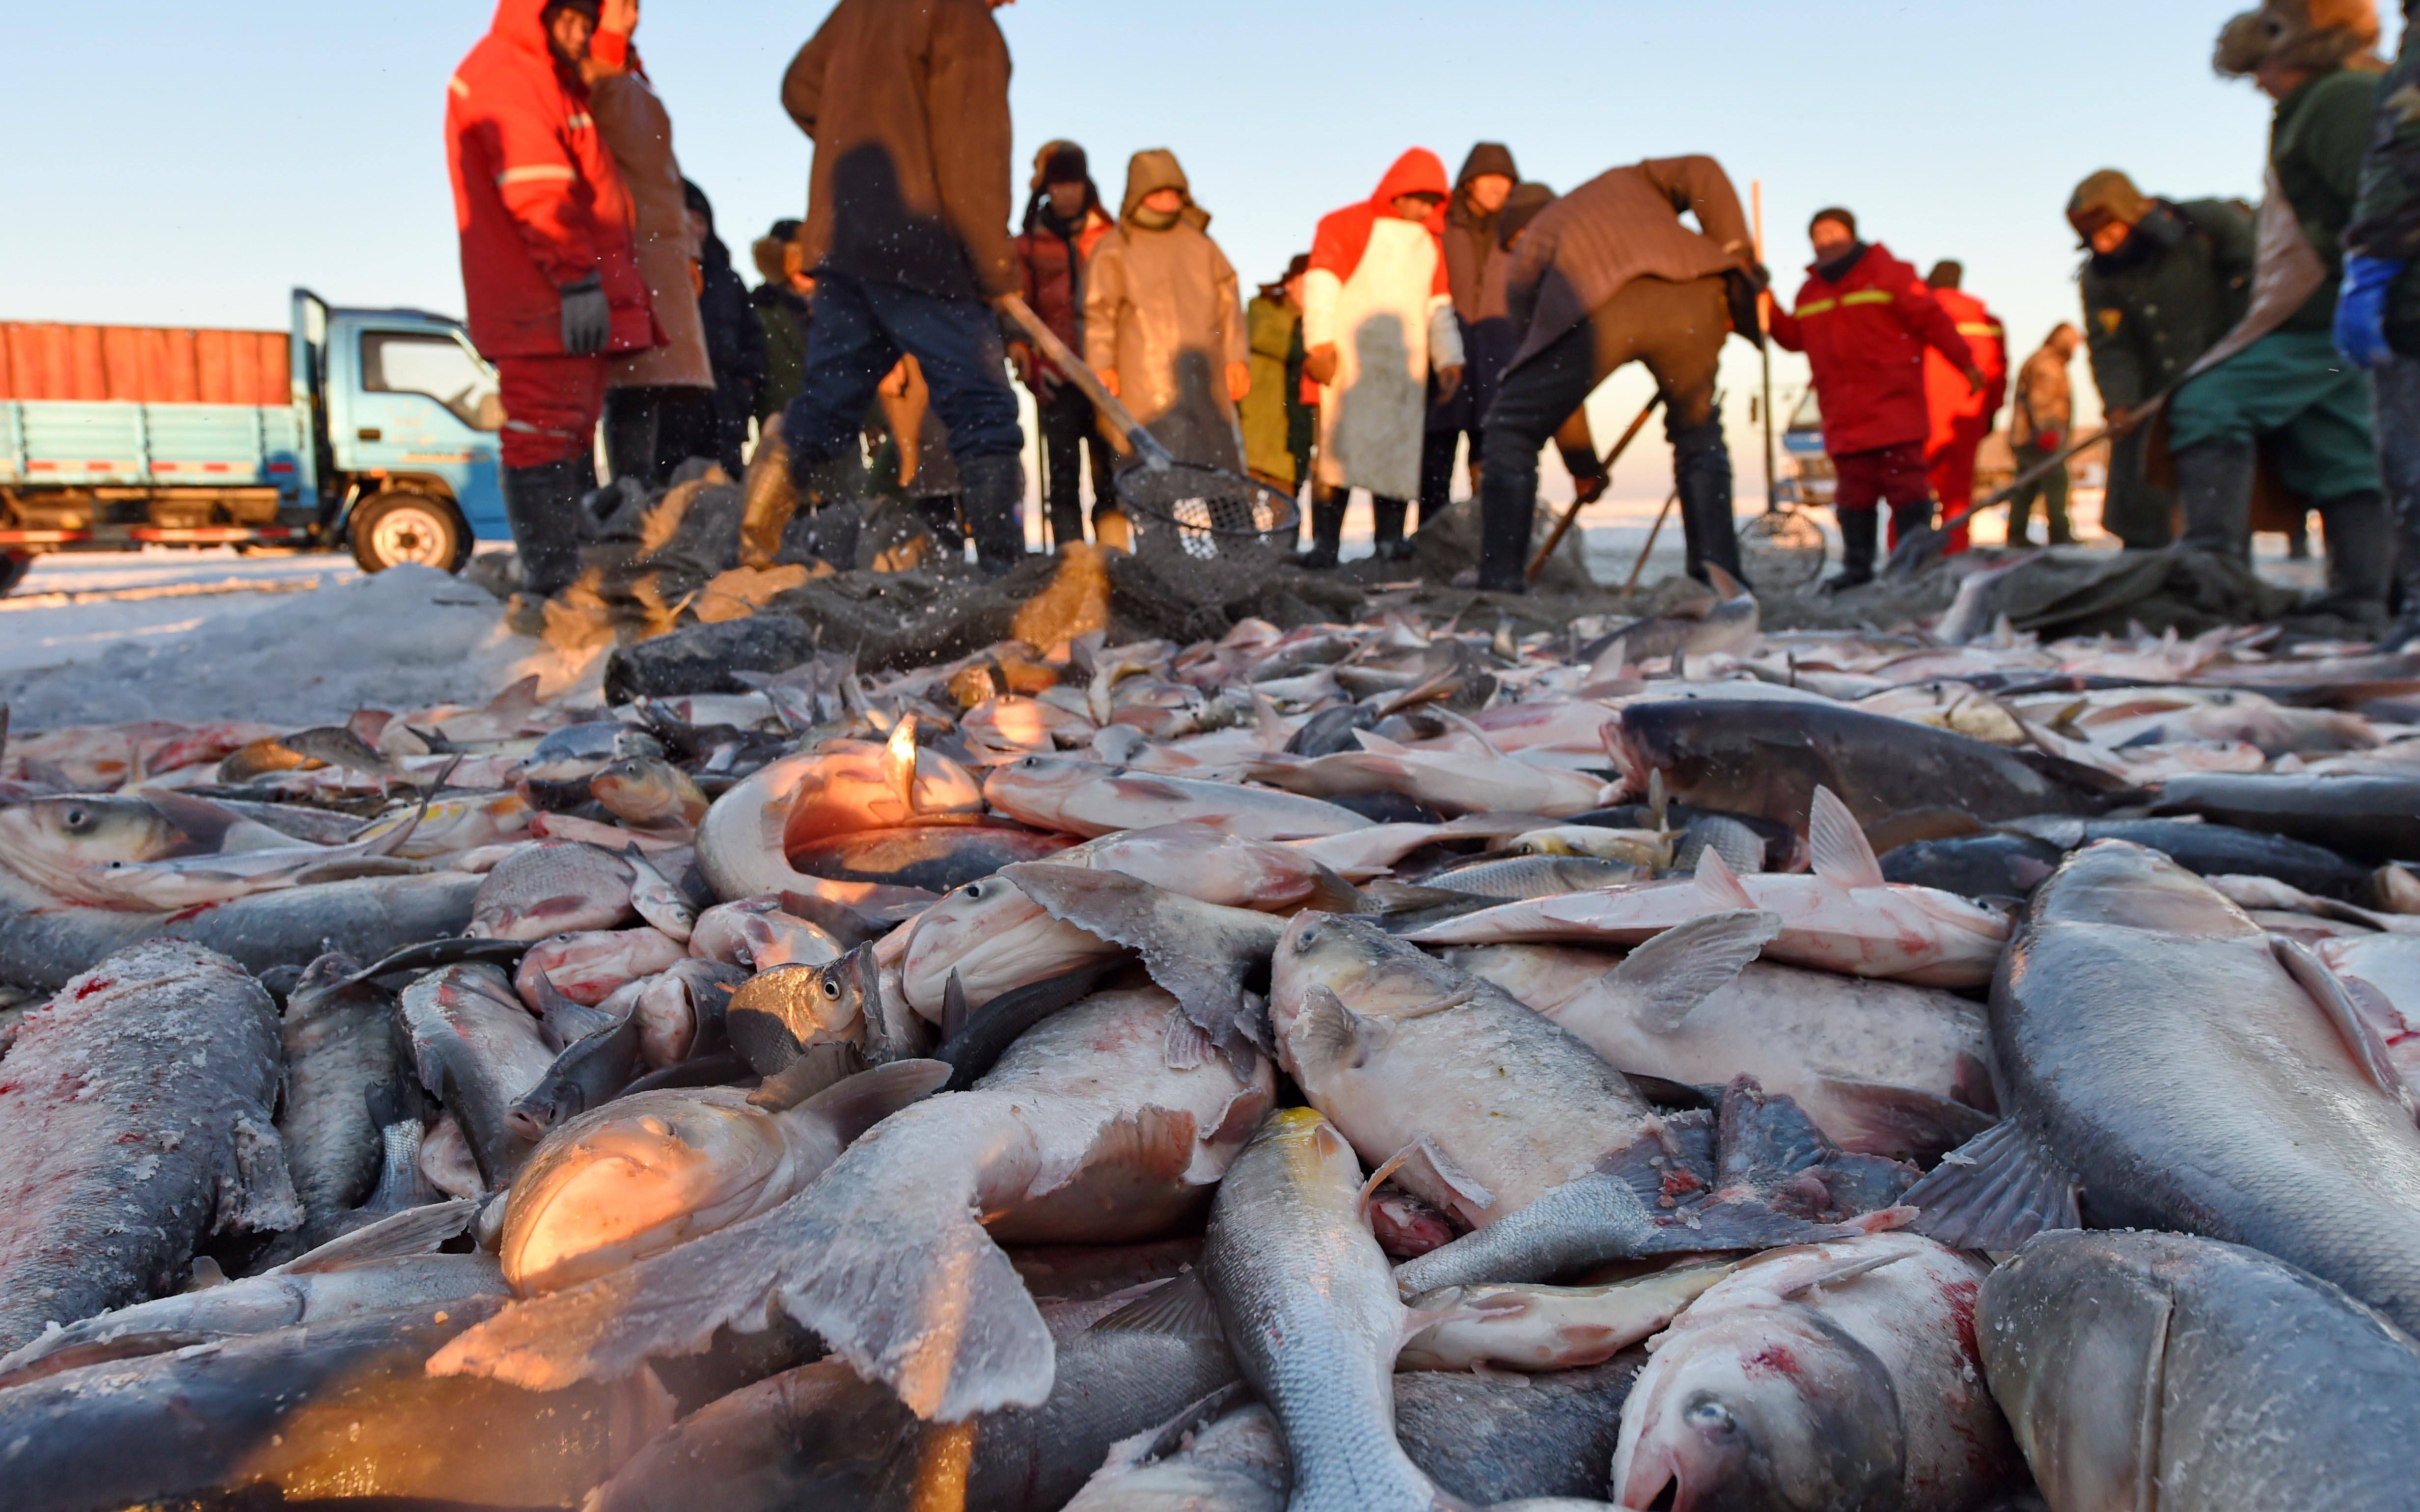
[(2320, 35)]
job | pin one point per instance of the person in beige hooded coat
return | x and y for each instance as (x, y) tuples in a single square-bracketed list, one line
[(1163, 319), (658, 402)]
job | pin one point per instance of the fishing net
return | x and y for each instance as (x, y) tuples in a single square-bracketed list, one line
[(1205, 532), (1782, 550)]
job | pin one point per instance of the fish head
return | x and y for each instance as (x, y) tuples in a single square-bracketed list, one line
[(43, 833), (633, 1177), (2118, 882), (1363, 965), (776, 1014), (641, 789), (1311, 1154), (850, 786), (1764, 1410), (982, 910), (1036, 788)]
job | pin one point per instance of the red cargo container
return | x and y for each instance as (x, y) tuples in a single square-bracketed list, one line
[(143, 364)]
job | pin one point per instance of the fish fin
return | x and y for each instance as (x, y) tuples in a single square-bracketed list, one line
[(1185, 1047), (1720, 885), (1726, 586), (1449, 1174), (953, 1007), (413, 1231), (1179, 1307), (1200, 954), (1671, 974), (821, 1068), (1471, 727), (1370, 1187), (1608, 662), (388, 843), (1921, 1124), (1331, 894), (892, 1267), (1838, 844), (1268, 723), (206, 822), (2361, 1037), (857, 1103), (259, 1195), (1151, 1143), (1378, 745), (899, 761), (1330, 1031), (565, 1022), (1996, 1192), (1835, 1274), (1658, 799)]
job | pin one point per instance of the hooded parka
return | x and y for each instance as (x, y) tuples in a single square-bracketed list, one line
[(638, 131), (1162, 311), (538, 199), (1377, 292)]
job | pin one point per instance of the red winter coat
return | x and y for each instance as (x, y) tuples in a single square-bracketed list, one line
[(1865, 336), (536, 197), (1960, 413)]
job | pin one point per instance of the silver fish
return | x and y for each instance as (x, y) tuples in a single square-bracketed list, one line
[(134, 1123), (1083, 1133), (553, 888), (479, 1052)]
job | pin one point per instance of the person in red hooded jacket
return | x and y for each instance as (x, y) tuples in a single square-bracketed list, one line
[(1864, 320), (547, 266), (1961, 415), (1377, 320)]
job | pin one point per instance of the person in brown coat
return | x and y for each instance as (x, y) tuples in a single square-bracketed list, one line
[(1163, 319), (658, 402), (2038, 423), (906, 230), (1606, 275), (1064, 224)]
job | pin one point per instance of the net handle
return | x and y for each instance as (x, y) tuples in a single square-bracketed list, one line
[(1146, 444)]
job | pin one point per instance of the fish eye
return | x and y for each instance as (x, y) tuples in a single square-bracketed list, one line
[(77, 821), (1712, 1418), (832, 987), (1303, 941), (974, 890)]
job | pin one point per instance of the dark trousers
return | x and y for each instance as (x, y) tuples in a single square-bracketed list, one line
[(861, 332), (1438, 449), (2051, 488), (651, 429), (1678, 331), (1069, 430)]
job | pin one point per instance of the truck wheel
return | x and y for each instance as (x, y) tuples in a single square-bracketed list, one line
[(397, 527), (13, 568)]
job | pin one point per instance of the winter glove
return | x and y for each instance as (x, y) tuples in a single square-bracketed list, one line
[(587, 319), (2361, 310)]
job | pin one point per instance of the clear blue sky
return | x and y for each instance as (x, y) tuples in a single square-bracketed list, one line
[(187, 164)]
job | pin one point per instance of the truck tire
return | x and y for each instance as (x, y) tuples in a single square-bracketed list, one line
[(13, 568), (398, 526)]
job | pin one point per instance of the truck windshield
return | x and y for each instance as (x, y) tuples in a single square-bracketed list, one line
[(395, 362)]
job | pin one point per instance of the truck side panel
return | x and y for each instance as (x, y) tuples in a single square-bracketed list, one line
[(132, 445), (142, 365)]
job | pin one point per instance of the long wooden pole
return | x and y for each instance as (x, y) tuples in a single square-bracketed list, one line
[(1764, 354), (1649, 549), (1563, 526)]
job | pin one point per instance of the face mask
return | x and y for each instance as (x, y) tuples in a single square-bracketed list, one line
[(1151, 220)]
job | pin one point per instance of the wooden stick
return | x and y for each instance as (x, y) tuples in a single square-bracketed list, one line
[(1563, 526), (1645, 551), (1146, 444), (2061, 457)]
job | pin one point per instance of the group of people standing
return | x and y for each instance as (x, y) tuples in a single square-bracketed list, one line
[(1437, 314)]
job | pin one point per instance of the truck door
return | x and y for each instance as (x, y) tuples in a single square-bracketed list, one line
[(420, 402)]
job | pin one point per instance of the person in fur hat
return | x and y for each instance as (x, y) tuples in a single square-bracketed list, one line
[(2288, 393), (2378, 318)]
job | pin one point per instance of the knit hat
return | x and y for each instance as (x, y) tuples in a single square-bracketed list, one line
[(1299, 265), (1061, 163), (2106, 197), (1947, 273), (2319, 35), (1836, 214)]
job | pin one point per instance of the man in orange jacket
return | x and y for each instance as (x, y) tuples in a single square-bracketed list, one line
[(1864, 320), (549, 271), (1961, 417)]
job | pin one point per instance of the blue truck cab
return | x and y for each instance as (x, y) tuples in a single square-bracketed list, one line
[(387, 445)]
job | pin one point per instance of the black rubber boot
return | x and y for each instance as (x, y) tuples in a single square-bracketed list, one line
[(941, 517), (1387, 531), (542, 505), (2361, 559), (2214, 485), (1508, 513), (994, 486), (2405, 601), (1701, 472), (1326, 528), (1860, 530)]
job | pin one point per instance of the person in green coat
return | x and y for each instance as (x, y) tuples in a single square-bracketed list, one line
[(1277, 423), (2163, 281), (2288, 391), (2378, 318)]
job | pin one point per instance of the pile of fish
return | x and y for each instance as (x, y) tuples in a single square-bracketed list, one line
[(1396, 1065)]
